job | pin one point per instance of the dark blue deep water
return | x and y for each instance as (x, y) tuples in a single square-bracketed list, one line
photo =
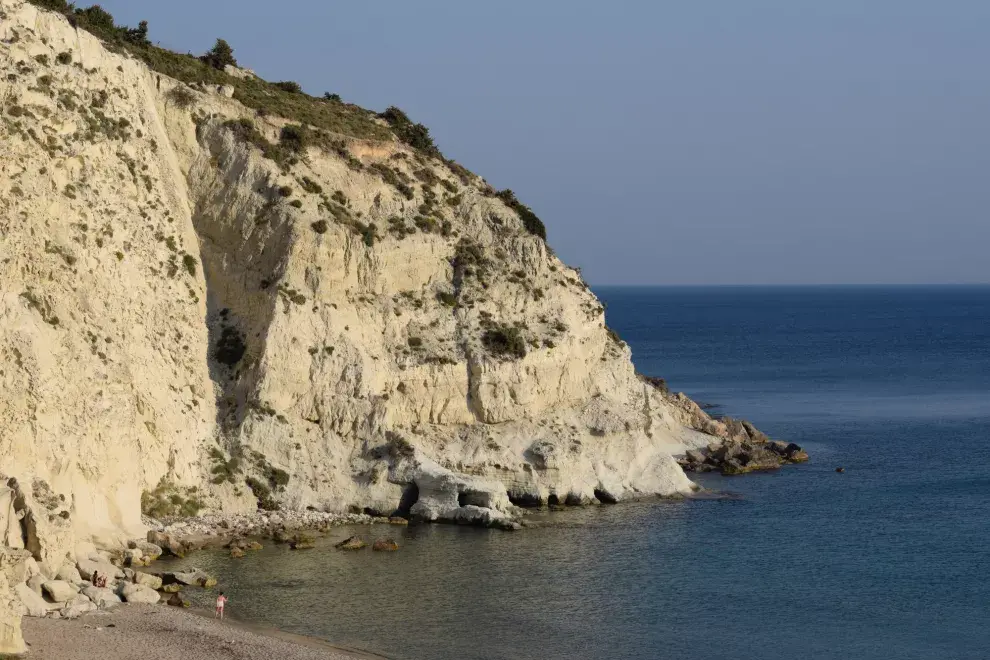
[(888, 560)]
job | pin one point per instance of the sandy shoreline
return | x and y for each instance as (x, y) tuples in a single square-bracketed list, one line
[(157, 632)]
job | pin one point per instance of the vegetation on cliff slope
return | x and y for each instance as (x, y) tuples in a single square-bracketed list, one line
[(282, 99)]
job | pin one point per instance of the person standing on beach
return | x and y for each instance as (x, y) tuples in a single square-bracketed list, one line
[(221, 601)]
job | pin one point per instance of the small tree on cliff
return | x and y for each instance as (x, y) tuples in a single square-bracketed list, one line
[(220, 55)]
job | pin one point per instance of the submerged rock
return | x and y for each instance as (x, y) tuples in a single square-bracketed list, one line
[(385, 545), (351, 543)]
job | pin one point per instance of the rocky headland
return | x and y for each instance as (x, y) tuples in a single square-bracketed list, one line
[(241, 309)]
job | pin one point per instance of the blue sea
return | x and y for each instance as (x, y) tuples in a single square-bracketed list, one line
[(889, 559)]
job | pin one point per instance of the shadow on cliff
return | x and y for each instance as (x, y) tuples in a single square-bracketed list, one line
[(244, 239)]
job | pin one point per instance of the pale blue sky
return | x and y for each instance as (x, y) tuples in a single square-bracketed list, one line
[(690, 142)]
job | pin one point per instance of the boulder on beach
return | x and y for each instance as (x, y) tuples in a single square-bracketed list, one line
[(34, 583), (175, 600), (96, 563), (102, 598), (150, 551), (69, 573), (76, 607), (385, 545), (138, 593), (133, 557), (147, 579), (351, 543), (32, 601), (167, 544), (60, 591), (396, 520)]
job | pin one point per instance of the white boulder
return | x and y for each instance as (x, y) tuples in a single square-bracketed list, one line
[(138, 593), (60, 591)]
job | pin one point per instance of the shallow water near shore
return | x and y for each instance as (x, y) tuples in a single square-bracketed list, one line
[(886, 560)]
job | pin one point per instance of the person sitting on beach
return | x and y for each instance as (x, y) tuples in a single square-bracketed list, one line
[(221, 601)]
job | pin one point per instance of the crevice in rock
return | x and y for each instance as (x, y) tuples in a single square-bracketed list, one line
[(553, 500), (410, 495), (605, 497), (525, 500)]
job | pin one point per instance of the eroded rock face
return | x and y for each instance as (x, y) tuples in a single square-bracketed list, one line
[(258, 334), (11, 609)]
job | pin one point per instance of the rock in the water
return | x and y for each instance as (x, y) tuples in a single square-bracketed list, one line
[(236, 553), (102, 598), (741, 456), (253, 545), (138, 593), (351, 543), (173, 588), (194, 577), (302, 542), (385, 545), (60, 591), (395, 520)]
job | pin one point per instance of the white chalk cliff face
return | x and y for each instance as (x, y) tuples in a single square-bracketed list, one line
[(366, 327)]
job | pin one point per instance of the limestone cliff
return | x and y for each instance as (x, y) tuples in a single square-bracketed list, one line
[(241, 309)]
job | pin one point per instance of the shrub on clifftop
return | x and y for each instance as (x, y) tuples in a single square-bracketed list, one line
[(220, 55)]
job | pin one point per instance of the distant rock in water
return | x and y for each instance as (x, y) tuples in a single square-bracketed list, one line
[(747, 450)]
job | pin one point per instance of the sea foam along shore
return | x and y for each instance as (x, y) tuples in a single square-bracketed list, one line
[(156, 632)]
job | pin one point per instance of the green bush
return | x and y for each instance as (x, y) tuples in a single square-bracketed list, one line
[(289, 86), (190, 264), (295, 138), (220, 56), (284, 191), (532, 223), (415, 135), (311, 186), (95, 17), (170, 501), (505, 341), (64, 58), (327, 96), (320, 226), (181, 97)]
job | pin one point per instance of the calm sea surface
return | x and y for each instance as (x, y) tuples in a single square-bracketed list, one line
[(889, 560)]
